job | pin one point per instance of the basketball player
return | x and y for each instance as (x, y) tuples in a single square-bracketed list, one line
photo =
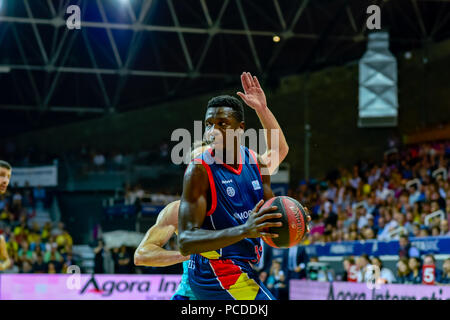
[(219, 219), (5, 177), (150, 251)]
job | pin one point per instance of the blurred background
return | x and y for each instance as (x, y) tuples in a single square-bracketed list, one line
[(87, 116)]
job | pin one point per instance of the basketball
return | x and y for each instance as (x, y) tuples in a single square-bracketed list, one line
[(293, 219)]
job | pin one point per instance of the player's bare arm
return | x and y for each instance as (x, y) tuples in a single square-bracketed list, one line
[(255, 98), (192, 213), (4, 257), (150, 252)]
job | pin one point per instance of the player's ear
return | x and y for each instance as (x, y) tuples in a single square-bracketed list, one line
[(242, 125)]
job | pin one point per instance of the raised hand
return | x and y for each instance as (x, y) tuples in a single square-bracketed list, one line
[(253, 94)]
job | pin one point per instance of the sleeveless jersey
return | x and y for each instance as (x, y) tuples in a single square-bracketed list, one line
[(234, 194)]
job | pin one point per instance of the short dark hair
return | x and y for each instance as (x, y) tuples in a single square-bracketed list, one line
[(228, 101), (4, 164)]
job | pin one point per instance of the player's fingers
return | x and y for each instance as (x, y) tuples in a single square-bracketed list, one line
[(256, 81), (258, 206), (244, 82), (248, 83), (250, 80), (266, 210), (269, 216), (266, 225), (268, 235), (240, 94)]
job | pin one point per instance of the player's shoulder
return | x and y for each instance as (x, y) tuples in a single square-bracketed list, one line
[(196, 175)]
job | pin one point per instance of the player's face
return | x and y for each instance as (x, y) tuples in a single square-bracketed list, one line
[(217, 122), (5, 176)]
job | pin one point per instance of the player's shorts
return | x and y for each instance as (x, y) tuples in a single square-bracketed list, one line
[(184, 291), (225, 279)]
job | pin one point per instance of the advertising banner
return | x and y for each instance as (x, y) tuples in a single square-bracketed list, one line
[(45, 176), (315, 290), (87, 287), (426, 245)]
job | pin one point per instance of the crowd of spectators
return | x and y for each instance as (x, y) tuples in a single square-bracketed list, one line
[(374, 199), (33, 248)]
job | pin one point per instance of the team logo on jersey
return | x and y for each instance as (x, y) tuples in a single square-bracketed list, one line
[(231, 192), (256, 185)]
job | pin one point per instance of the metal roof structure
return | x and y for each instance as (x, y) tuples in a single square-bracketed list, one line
[(135, 53)]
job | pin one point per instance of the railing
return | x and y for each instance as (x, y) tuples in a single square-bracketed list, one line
[(433, 215), (397, 231)]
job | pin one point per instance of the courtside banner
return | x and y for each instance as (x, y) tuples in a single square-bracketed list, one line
[(314, 290), (87, 287), (426, 245), (45, 176)]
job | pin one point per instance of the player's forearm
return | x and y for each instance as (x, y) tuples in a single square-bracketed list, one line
[(154, 256), (5, 264), (200, 240), (270, 123)]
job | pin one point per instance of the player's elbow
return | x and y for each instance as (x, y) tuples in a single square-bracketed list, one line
[(138, 258), (284, 150), (184, 245)]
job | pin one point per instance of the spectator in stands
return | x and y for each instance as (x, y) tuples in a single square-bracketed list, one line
[(435, 231), (123, 260), (386, 275), (99, 255), (350, 273), (428, 261), (26, 267), (444, 228), (99, 161), (424, 232), (51, 268), (297, 261), (403, 271), (25, 254), (39, 265), (414, 264), (406, 249), (416, 230), (276, 282), (39, 196), (445, 279), (362, 263)]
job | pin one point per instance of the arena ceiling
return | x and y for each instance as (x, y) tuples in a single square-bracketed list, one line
[(137, 53)]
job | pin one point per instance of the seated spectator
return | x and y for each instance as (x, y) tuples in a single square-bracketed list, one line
[(362, 263), (26, 267), (445, 279), (386, 275), (433, 276), (415, 277), (123, 261), (403, 271), (51, 268), (444, 228), (350, 273), (276, 282), (406, 249), (39, 196), (39, 265), (25, 254)]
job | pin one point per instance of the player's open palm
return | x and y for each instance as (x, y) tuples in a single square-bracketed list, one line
[(253, 95), (258, 222)]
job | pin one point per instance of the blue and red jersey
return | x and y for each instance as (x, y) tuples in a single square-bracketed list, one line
[(234, 194)]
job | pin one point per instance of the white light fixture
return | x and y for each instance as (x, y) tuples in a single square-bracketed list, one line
[(4, 69)]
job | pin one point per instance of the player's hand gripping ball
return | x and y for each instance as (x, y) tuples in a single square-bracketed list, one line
[(295, 220)]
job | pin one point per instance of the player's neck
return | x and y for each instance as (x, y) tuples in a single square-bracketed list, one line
[(231, 158)]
